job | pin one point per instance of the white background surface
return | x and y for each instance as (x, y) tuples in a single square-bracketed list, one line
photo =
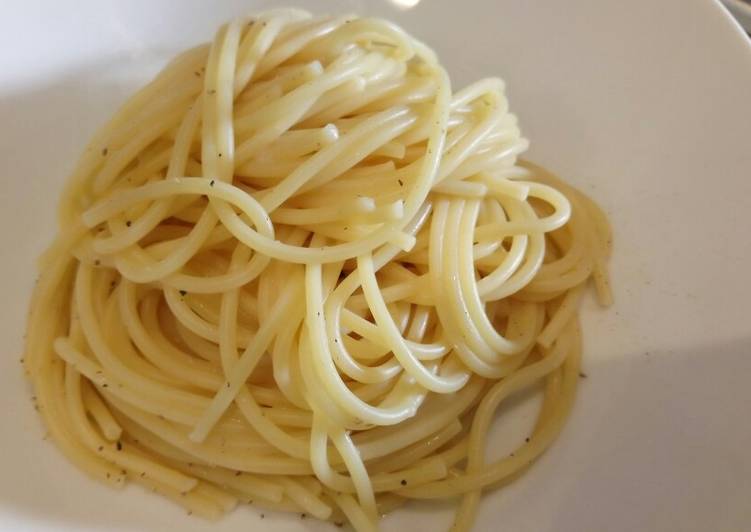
[(645, 105)]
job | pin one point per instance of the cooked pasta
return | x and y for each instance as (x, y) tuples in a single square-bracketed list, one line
[(298, 270)]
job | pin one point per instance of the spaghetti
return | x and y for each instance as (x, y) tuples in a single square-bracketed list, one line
[(297, 270)]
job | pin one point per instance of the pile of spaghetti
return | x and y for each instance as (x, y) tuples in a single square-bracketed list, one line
[(297, 270)]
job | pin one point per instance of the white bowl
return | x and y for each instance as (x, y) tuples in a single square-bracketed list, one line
[(643, 104), (741, 10)]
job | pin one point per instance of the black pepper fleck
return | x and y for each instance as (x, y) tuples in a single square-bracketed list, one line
[(401, 183), (119, 445), (104, 151), (582, 375), (211, 183), (404, 482), (128, 223), (183, 292)]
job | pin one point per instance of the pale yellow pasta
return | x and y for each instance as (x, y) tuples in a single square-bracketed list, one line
[(297, 270)]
